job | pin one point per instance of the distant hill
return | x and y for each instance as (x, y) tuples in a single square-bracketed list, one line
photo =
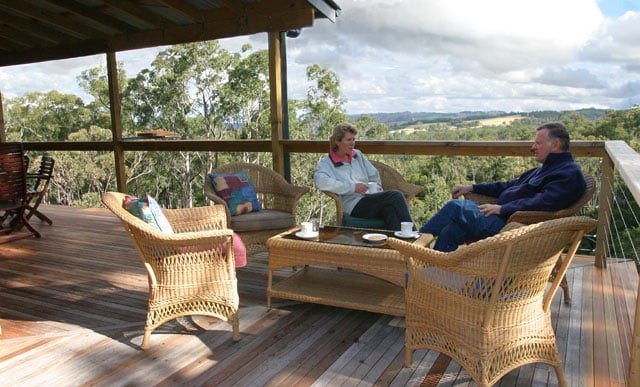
[(404, 119)]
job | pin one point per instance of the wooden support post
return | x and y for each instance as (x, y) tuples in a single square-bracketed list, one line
[(116, 121), (275, 85)]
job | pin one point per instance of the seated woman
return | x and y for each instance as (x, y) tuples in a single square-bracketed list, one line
[(346, 172)]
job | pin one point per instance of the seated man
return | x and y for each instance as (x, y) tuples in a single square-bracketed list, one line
[(554, 185)]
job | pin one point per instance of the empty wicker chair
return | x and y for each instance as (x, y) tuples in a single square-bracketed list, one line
[(391, 179), (485, 304), (278, 200), (531, 217), (190, 272)]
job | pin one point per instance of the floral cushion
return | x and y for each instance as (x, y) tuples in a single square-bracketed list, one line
[(236, 189), (148, 210)]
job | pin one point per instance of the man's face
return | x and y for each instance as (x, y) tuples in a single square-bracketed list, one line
[(543, 145)]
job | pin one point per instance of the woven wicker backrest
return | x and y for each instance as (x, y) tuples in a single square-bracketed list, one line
[(392, 179)]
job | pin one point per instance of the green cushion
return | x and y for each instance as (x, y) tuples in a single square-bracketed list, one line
[(352, 221), (148, 210)]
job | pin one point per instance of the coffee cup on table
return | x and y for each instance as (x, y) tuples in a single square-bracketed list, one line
[(373, 187), (306, 228), (406, 228)]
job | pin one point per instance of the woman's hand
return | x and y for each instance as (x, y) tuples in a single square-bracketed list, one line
[(362, 188)]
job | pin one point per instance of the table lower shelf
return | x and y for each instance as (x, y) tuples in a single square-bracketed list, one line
[(341, 288)]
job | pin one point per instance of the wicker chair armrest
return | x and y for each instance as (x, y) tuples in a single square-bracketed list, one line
[(480, 199), (530, 217), (339, 208), (425, 254), (409, 190)]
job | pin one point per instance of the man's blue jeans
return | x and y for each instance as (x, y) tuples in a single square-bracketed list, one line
[(459, 221)]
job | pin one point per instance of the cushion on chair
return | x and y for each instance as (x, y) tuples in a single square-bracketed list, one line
[(239, 251), (352, 221), (263, 220), (236, 189), (148, 210)]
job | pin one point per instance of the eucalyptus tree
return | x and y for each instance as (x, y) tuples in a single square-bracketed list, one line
[(246, 105), (45, 117), (181, 93)]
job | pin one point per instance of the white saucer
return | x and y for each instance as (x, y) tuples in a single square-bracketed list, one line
[(399, 234), (299, 234), (375, 239)]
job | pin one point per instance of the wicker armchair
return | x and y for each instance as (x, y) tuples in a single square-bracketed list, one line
[(278, 199), (190, 272), (531, 217), (391, 179), (486, 304)]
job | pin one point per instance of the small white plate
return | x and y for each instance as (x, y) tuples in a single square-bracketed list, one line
[(299, 234), (375, 238), (399, 234)]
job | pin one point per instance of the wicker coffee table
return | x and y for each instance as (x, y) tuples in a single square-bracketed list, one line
[(339, 268)]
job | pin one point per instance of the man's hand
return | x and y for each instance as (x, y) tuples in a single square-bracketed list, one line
[(490, 209), (461, 190)]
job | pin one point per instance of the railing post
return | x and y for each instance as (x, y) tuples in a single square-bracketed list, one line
[(634, 362), (604, 211)]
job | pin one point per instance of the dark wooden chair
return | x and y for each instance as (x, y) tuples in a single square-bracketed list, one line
[(13, 187), (37, 190)]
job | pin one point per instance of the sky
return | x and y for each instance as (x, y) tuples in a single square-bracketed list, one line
[(437, 56)]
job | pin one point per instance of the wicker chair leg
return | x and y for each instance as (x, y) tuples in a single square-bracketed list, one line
[(146, 338), (562, 380), (235, 324), (565, 290), (408, 357)]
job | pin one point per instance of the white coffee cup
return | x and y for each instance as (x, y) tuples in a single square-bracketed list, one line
[(406, 228), (306, 228), (373, 187)]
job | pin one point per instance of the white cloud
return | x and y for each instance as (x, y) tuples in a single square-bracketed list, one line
[(443, 55)]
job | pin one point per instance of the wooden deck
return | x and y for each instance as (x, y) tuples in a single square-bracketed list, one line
[(73, 305)]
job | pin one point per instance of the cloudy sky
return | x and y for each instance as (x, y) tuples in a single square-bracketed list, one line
[(439, 56)]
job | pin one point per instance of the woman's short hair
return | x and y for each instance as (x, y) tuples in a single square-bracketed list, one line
[(338, 133), (557, 131)]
